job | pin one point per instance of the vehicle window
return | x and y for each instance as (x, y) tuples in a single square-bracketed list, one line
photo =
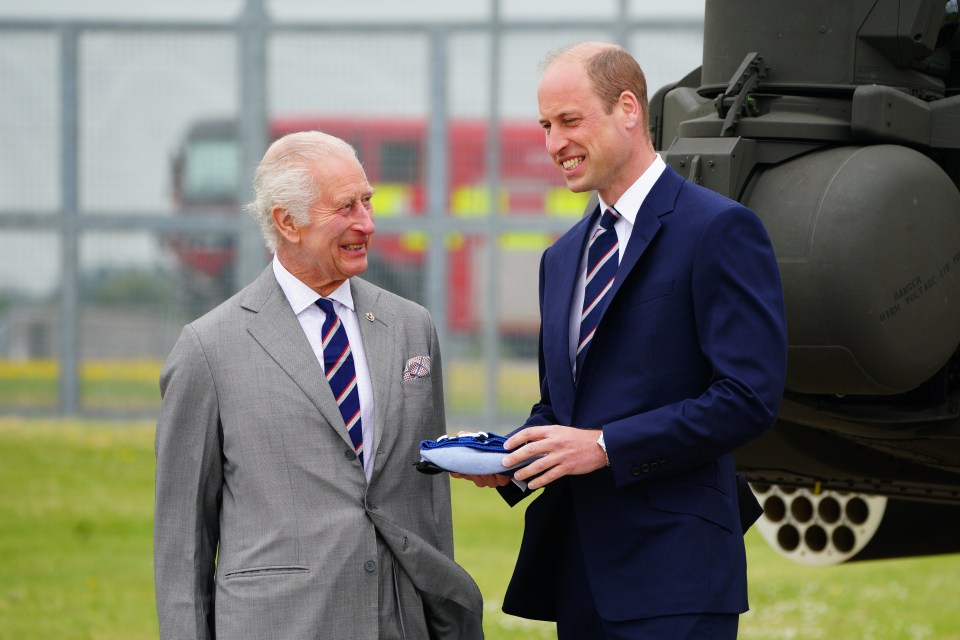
[(399, 162), (211, 170)]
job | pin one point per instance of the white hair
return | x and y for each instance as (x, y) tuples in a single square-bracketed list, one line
[(286, 177)]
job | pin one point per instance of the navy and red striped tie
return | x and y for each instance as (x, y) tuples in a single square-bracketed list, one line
[(341, 374), (603, 258)]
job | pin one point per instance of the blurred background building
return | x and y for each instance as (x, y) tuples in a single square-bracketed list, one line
[(130, 131)]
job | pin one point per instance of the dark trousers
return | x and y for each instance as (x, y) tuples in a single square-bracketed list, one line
[(577, 617)]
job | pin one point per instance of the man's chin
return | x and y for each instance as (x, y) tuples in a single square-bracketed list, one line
[(356, 269), (576, 185)]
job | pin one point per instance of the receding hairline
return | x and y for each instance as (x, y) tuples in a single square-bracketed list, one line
[(581, 52)]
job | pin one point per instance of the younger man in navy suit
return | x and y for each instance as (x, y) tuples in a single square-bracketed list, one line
[(663, 349)]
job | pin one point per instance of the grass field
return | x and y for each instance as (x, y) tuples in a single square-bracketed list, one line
[(132, 385), (76, 501)]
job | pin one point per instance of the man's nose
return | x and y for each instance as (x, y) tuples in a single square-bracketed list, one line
[(363, 219), (555, 143)]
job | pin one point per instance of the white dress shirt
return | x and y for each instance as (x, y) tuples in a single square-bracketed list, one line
[(627, 206), (302, 300)]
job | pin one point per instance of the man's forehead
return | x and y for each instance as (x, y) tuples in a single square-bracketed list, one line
[(564, 93), (340, 173), (564, 76), (349, 188), (548, 114)]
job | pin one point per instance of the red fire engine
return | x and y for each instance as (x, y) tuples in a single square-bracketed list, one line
[(207, 174)]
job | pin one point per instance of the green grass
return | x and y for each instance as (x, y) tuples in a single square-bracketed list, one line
[(133, 386), (76, 503), (76, 507)]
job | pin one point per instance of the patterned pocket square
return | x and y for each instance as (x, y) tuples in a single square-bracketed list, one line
[(417, 367)]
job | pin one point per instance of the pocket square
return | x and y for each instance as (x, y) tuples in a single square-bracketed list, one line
[(416, 367)]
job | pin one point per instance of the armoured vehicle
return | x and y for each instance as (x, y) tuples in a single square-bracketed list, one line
[(838, 123)]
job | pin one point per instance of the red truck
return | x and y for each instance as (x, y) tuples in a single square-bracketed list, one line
[(207, 175)]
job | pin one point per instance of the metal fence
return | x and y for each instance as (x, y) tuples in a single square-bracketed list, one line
[(129, 141)]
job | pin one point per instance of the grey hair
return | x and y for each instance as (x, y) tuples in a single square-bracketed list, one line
[(286, 177)]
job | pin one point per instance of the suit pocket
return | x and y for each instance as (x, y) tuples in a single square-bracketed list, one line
[(449, 620), (416, 386), (703, 501), (256, 572), (648, 292)]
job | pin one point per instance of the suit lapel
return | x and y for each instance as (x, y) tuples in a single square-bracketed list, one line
[(563, 265), (381, 350), (275, 327), (657, 203)]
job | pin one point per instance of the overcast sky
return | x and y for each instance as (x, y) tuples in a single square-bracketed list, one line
[(139, 91)]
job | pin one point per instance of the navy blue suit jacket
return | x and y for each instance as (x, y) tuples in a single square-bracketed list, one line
[(687, 364)]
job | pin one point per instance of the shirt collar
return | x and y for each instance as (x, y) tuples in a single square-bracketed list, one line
[(301, 296), (629, 203)]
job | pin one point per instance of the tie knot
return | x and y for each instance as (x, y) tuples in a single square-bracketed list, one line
[(325, 305), (609, 218)]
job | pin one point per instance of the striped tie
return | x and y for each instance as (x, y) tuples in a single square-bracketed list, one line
[(603, 258), (341, 374)]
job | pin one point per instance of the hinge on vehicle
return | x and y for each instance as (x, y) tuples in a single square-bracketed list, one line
[(736, 99), (695, 170)]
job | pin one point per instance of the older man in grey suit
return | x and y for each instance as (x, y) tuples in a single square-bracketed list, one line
[(287, 503)]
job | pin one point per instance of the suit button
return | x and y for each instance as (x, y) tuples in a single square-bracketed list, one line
[(349, 454), (370, 566), (635, 471), (645, 468)]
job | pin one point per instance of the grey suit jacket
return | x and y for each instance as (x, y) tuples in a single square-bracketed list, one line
[(265, 526)]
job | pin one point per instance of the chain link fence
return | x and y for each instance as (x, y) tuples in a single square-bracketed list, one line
[(129, 142)]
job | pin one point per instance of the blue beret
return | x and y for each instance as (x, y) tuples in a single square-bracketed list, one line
[(471, 454)]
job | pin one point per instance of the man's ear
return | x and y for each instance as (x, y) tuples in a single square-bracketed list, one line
[(285, 224), (629, 107)]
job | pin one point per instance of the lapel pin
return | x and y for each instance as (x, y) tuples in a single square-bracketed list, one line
[(370, 317)]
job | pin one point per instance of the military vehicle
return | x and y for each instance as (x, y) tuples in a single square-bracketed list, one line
[(838, 123)]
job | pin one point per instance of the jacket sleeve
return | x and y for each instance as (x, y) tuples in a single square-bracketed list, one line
[(441, 482), (189, 479), (739, 314)]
